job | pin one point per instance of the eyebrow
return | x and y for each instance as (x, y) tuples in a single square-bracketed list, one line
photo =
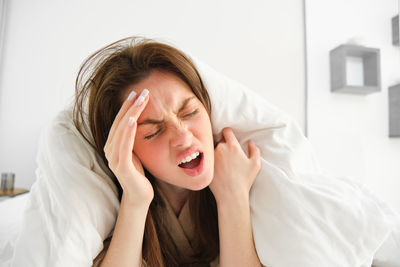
[(152, 121)]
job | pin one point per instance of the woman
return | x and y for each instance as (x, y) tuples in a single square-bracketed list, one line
[(184, 200)]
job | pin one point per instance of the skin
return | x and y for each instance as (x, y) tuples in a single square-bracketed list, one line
[(229, 172), (178, 132)]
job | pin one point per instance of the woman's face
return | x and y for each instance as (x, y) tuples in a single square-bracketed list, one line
[(173, 126)]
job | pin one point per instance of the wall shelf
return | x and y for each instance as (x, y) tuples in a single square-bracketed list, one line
[(370, 60), (395, 31), (394, 111)]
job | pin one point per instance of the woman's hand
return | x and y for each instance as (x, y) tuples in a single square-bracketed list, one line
[(234, 171), (234, 174), (125, 165)]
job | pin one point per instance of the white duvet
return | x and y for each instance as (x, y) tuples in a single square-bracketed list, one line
[(301, 217)]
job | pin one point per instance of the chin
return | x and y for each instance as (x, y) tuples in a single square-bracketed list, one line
[(202, 183)]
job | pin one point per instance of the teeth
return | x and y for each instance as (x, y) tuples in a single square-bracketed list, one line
[(190, 158)]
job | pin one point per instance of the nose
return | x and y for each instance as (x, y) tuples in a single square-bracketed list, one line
[(181, 136)]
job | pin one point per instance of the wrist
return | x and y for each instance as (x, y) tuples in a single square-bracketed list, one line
[(233, 202), (132, 201), (223, 193)]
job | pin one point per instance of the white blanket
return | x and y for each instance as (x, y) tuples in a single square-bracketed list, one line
[(300, 216), (11, 210)]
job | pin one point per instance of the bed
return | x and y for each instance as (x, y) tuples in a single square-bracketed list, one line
[(300, 216), (11, 210)]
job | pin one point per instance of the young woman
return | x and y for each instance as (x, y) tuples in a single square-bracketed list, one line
[(184, 199)]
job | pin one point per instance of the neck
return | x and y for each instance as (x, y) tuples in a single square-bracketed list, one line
[(176, 196)]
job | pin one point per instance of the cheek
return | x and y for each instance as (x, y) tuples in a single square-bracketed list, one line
[(202, 126), (151, 154), (145, 151)]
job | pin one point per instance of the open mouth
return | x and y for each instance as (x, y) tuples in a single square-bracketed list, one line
[(194, 163)]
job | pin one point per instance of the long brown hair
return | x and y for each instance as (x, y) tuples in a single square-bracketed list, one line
[(101, 82)]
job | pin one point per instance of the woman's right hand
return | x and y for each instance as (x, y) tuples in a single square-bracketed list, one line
[(125, 165)]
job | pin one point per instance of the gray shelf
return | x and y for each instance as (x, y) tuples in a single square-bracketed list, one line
[(394, 111), (371, 68), (395, 31)]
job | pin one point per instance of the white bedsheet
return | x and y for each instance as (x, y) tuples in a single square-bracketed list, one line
[(11, 212)]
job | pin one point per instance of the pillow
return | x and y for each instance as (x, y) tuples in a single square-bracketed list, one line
[(300, 216), (73, 203)]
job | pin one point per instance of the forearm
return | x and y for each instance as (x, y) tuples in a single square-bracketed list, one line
[(126, 244), (236, 235)]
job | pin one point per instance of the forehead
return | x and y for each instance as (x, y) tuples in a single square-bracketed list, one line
[(167, 91)]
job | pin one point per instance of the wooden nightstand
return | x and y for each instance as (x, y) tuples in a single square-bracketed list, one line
[(13, 193)]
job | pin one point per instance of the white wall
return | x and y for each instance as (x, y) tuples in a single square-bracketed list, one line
[(350, 132), (259, 43), (3, 9)]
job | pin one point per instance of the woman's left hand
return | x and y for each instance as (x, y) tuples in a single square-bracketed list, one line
[(234, 171)]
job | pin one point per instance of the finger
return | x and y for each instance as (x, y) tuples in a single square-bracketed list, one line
[(254, 151), (132, 109), (125, 135), (128, 140), (138, 106), (229, 136), (124, 108), (122, 143)]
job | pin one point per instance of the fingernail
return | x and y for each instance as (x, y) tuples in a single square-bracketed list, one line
[(139, 101), (144, 93), (141, 98), (131, 95), (131, 121)]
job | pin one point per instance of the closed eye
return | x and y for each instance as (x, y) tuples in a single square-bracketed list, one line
[(191, 114), (152, 135), (185, 116)]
